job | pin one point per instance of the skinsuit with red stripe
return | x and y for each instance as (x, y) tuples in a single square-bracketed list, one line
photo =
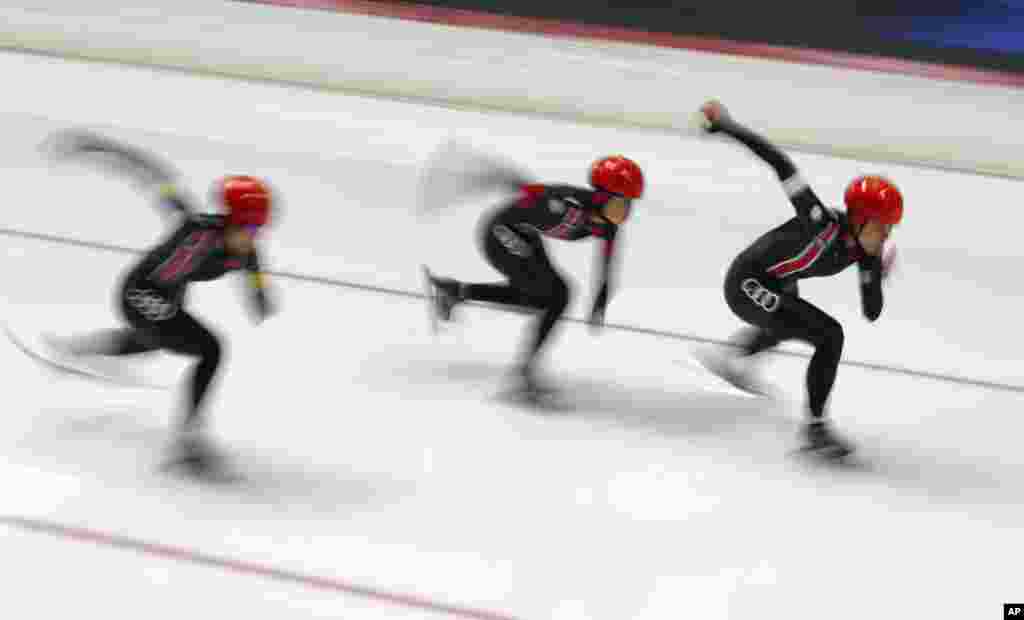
[(761, 284)]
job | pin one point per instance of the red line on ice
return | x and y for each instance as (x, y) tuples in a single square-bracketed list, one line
[(249, 568)]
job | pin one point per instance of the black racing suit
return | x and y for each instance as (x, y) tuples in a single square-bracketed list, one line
[(761, 285), (511, 240), (153, 293)]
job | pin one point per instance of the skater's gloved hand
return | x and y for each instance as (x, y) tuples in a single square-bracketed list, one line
[(264, 309), (261, 304), (711, 115)]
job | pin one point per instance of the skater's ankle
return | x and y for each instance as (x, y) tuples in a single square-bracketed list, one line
[(191, 430), (457, 289)]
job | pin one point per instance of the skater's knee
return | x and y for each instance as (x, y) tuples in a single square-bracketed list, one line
[(126, 341), (836, 335), (831, 337), (558, 298), (216, 350), (211, 351)]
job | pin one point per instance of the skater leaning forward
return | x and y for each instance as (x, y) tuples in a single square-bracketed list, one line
[(761, 286), (511, 241), (152, 294)]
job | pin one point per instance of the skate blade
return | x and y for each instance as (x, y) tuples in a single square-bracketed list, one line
[(42, 360), (711, 364), (193, 469), (831, 452), (545, 401), (750, 389), (842, 458), (431, 295), (79, 371)]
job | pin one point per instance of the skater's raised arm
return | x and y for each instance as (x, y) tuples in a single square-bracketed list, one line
[(807, 204), (141, 167)]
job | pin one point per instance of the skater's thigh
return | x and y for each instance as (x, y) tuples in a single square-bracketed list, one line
[(181, 334), (186, 335), (527, 266), (756, 299), (811, 324), (766, 303), (160, 322)]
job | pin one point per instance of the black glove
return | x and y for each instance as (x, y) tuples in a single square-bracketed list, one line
[(262, 305)]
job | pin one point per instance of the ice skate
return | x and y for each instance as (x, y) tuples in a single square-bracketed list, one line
[(528, 388), (55, 354), (443, 295), (63, 351), (194, 454), (736, 370), (531, 383), (77, 356), (59, 353), (820, 440)]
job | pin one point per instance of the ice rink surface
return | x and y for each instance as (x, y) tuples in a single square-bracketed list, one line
[(383, 474)]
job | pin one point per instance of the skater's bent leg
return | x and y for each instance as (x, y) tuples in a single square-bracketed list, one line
[(495, 293), (533, 283), (553, 304), (821, 373), (124, 341), (202, 377), (825, 334), (186, 336), (776, 313), (755, 340), (527, 272)]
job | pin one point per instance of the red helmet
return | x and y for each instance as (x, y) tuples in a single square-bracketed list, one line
[(873, 197), (618, 175), (246, 199)]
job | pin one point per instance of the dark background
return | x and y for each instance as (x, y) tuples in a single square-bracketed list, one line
[(979, 33)]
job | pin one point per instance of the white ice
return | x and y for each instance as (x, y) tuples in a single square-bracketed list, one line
[(380, 455)]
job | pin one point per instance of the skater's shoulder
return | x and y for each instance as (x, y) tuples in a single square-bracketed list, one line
[(567, 190), (576, 196), (544, 195), (204, 221), (815, 218), (542, 190), (191, 225)]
